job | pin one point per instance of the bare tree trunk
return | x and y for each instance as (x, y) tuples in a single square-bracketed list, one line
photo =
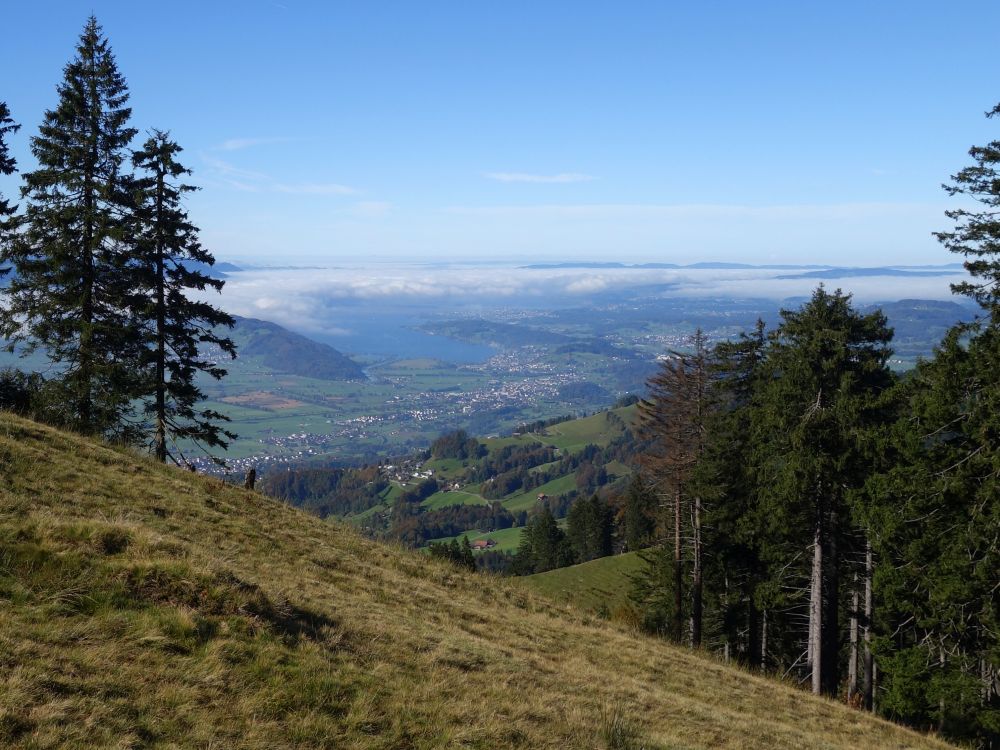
[(696, 579), (763, 642), (160, 439), (869, 664), (852, 663), (816, 609), (941, 704), (678, 569), (830, 601)]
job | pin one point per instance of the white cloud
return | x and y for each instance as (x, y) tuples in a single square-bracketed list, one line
[(561, 178), (250, 181), (315, 188), (238, 144), (227, 169)]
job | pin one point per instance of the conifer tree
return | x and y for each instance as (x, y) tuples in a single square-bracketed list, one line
[(936, 536), (543, 544), (640, 509), (825, 373), (672, 419), (176, 329), (7, 167), (976, 235), (588, 528), (68, 297), (723, 477)]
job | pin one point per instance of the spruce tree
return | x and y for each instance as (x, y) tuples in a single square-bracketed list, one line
[(976, 235), (824, 377), (588, 528), (7, 167), (177, 330), (68, 297), (543, 545), (640, 509), (723, 477), (672, 420)]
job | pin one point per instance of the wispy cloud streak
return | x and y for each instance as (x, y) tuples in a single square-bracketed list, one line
[(238, 144), (561, 178)]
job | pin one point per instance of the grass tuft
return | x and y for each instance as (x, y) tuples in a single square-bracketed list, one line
[(618, 730)]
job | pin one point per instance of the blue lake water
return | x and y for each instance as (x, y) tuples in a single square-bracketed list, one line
[(395, 334)]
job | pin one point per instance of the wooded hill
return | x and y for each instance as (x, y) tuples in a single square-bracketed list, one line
[(466, 485), (284, 351), (143, 605)]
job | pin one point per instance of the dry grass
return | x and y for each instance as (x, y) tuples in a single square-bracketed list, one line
[(142, 606)]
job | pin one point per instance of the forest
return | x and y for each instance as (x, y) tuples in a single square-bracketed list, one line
[(822, 519)]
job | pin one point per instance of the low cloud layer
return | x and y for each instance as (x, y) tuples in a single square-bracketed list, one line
[(320, 299)]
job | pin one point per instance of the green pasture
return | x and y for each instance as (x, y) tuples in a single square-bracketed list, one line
[(590, 585)]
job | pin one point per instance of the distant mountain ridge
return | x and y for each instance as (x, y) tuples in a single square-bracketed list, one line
[(816, 270), (849, 273)]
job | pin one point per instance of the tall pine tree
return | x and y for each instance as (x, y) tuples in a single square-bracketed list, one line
[(69, 295), (672, 420), (825, 375), (7, 167), (936, 536), (178, 330), (723, 477), (976, 235)]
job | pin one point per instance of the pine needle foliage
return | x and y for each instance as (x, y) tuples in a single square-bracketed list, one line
[(178, 332), (8, 166), (68, 297)]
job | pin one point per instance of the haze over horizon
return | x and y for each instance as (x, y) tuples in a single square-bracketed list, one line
[(321, 134)]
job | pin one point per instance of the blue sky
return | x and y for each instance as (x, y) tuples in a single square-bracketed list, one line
[(756, 132)]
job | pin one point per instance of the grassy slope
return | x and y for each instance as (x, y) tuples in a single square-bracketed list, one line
[(569, 436), (507, 539), (144, 606), (590, 584)]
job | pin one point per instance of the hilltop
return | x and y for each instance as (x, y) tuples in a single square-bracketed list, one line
[(285, 351), (144, 605)]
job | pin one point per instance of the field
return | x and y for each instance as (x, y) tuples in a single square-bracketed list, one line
[(601, 583), (147, 606), (444, 499), (287, 418), (507, 539), (527, 500)]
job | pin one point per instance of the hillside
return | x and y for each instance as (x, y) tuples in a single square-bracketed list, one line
[(595, 585), (285, 351), (145, 606), (560, 461)]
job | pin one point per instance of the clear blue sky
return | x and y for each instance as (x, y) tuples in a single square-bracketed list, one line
[(330, 131)]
